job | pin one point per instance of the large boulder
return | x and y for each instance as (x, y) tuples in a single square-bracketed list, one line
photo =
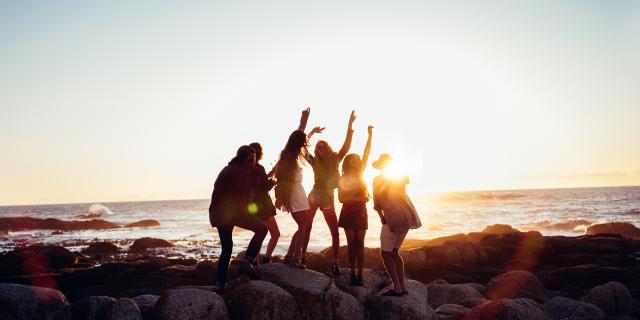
[(340, 305), (24, 302), (147, 303), (450, 312), (260, 300), (452, 252), (613, 298), (143, 244), (408, 307), (625, 229), (441, 294), (373, 281), (307, 287), (102, 249), (516, 309), (91, 308), (58, 256), (561, 308), (123, 309), (516, 284), (190, 304), (143, 224)]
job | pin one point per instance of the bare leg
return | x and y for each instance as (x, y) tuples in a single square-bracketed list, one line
[(360, 249), (274, 232), (399, 268), (311, 213), (296, 240), (390, 265), (351, 248), (332, 222)]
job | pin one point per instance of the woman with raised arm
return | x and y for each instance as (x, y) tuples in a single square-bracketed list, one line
[(352, 192), (325, 162), (263, 207), (397, 215), (290, 194), (230, 200)]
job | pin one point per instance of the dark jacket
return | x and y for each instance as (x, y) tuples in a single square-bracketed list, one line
[(261, 197), (231, 194)]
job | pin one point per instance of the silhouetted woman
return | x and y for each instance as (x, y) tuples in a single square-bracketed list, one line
[(263, 206), (325, 164), (397, 215), (352, 192), (290, 194), (232, 194)]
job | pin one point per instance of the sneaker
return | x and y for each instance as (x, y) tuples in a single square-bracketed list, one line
[(360, 282), (301, 264), (335, 269), (247, 268), (286, 260), (265, 260), (353, 280)]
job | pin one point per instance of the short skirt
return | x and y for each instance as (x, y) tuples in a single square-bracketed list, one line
[(353, 216)]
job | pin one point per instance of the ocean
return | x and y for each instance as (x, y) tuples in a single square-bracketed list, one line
[(186, 223)]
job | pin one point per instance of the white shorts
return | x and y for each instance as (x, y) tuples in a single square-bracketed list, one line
[(390, 240)]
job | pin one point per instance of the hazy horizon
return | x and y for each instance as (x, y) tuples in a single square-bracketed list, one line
[(147, 101)]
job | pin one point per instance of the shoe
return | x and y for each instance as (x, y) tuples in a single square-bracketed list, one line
[(405, 292), (301, 264), (219, 288), (353, 280), (286, 260), (392, 293), (265, 260), (360, 282), (247, 268), (335, 269)]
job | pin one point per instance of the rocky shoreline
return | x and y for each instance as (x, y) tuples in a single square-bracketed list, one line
[(499, 273)]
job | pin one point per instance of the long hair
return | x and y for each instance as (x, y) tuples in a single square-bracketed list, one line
[(352, 173), (258, 148), (329, 151), (290, 155)]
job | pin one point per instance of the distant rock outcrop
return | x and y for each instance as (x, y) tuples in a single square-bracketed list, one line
[(28, 223), (143, 244), (625, 229), (143, 224)]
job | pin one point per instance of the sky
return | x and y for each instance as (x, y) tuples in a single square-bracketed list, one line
[(148, 100)]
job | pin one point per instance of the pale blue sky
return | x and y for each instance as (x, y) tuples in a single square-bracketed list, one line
[(124, 100)]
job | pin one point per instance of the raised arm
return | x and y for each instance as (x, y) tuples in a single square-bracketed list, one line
[(367, 150), (347, 140), (303, 119)]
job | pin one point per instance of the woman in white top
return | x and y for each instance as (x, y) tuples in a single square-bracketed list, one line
[(397, 215), (290, 194)]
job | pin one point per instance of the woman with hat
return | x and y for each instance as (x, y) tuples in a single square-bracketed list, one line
[(397, 215)]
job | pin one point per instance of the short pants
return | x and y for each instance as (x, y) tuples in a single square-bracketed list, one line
[(390, 240)]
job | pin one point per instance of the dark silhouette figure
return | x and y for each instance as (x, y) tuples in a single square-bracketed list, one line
[(325, 162), (232, 194), (264, 208), (352, 192)]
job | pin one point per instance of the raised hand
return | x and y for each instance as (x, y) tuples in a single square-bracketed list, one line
[(352, 118), (303, 119), (370, 129), (317, 130)]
